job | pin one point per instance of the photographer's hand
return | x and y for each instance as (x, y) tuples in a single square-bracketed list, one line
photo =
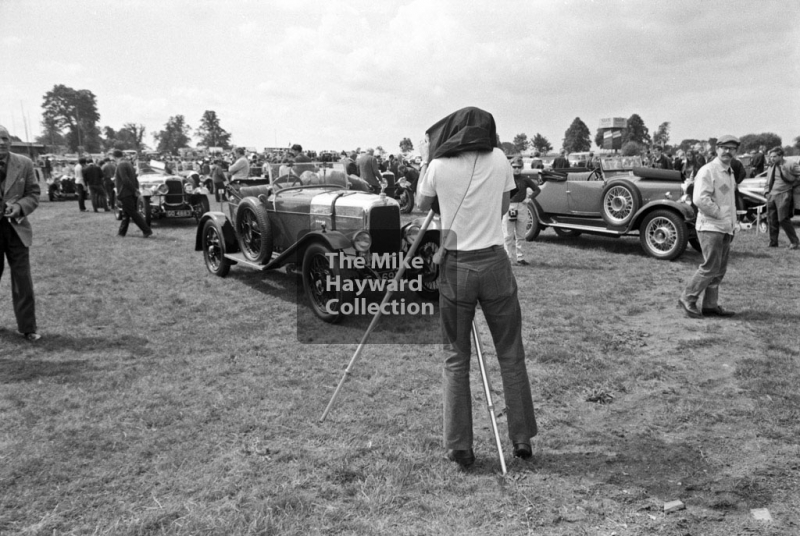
[(424, 149)]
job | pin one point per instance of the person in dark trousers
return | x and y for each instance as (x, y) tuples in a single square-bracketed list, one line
[(782, 179), (127, 193), (759, 161), (94, 180), (561, 161), (471, 177), (19, 196), (109, 170)]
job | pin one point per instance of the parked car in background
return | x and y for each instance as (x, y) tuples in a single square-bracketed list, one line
[(168, 195), (622, 198), (319, 224)]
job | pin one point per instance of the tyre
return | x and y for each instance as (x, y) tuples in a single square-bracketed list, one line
[(143, 204), (663, 235), (534, 227), (318, 271), (621, 200), (254, 230), (567, 233), (430, 270), (406, 200), (214, 250)]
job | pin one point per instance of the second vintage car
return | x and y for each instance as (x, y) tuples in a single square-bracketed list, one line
[(167, 195), (622, 198), (322, 226)]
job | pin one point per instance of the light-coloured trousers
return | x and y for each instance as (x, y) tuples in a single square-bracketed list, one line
[(514, 231)]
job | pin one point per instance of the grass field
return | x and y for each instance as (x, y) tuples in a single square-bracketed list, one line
[(165, 401)]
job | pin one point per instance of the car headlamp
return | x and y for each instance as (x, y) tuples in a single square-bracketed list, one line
[(188, 188), (161, 190), (362, 241), (412, 231)]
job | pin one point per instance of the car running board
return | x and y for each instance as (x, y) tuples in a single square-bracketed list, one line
[(586, 228), (238, 258)]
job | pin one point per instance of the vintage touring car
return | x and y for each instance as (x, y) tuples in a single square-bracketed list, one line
[(322, 225), (622, 198)]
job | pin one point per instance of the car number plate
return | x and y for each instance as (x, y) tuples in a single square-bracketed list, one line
[(388, 275), (178, 213)]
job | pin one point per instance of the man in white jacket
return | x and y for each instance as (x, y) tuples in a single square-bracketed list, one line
[(714, 188)]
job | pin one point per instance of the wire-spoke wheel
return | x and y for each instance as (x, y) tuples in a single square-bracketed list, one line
[(620, 202), (254, 231), (663, 235)]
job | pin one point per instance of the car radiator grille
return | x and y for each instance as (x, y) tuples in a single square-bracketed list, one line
[(384, 228)]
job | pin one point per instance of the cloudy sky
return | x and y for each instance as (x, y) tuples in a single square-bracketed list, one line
[(338, 74)]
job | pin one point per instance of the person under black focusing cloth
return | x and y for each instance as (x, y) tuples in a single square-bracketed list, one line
[(19, 196), (471, 178), (128, 193)]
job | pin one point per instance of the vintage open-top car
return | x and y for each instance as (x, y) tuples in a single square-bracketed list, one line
[(322, 225), (621, 198), (167, 195)]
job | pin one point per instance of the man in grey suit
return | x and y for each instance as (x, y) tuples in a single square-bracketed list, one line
[(19, 196), (368, 169)]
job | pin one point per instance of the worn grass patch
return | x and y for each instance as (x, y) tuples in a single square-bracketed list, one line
[(165, 401)]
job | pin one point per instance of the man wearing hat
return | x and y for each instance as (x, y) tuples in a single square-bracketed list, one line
[(515, 221), (714, 196)]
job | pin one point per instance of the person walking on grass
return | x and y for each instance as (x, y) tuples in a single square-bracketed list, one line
[(19, 196), (471, 177), (128, 194), (714, 187)]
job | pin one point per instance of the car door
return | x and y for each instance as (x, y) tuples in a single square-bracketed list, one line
[(585, 197), (553, 197)]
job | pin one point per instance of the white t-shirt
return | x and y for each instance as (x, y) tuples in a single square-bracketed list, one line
[(79, 175), (474, 215)]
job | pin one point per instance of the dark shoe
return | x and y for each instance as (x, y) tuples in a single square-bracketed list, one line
[(523, 262), (464, 458), (690, 308), (120, 235), (772, 246), (717, 311), (523, 450), (148, 235), (794, 246)]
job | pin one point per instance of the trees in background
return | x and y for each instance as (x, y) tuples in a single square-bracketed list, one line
[(541, 144), (521, 142), (73, 111), (661, 137), (210, 133), (577, 137), (636, 131), (174, 136), (751, 142), (130, 136)]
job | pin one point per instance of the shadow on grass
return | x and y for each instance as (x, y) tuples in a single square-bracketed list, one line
[(768, 316), (662, 469), (58, 343), (25, 370)]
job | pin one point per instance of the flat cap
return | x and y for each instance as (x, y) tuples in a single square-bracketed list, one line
[(727, 139)]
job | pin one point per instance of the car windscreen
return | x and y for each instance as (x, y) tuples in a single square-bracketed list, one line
[(620, 163)]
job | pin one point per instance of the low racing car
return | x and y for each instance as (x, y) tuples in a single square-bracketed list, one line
[(322, 225)]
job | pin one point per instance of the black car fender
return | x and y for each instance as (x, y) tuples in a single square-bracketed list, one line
[(537, 209), (226, 230), (687, 211), (333, 240)]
